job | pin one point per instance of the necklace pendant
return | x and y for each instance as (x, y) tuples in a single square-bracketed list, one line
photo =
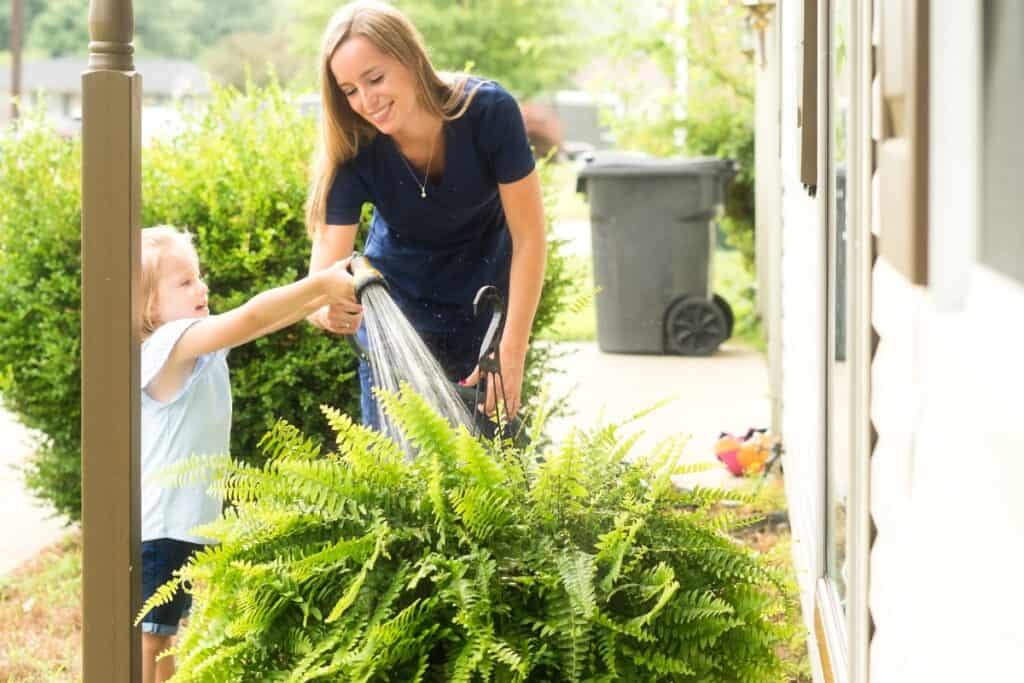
[(423, 192)]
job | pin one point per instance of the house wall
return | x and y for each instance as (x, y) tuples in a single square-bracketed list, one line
[(946, 387), (802, 326), (946, 398)]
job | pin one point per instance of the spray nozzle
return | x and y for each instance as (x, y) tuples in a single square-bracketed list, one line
[(488, 359), (365, 274)]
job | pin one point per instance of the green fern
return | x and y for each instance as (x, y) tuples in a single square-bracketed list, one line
[(472, 562)]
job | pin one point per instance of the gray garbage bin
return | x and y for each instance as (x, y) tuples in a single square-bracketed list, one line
[(652, 233)]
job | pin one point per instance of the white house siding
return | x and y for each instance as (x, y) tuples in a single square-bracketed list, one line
[(802, 281), (946, 477), (948, 407)]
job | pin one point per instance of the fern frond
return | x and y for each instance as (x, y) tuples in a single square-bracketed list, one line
[(162, 596)]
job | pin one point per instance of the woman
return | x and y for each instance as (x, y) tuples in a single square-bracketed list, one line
[(457, 200)]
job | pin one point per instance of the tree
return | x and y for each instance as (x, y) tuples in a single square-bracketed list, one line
[(530, 46), (712, 116), (216, 20), (255, 57), (32, 9), (61, 29), (166, 28)]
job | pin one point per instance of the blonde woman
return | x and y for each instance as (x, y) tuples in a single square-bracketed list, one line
[(445, 162)]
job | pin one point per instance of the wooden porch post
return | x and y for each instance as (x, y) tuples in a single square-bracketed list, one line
[(111, 161)]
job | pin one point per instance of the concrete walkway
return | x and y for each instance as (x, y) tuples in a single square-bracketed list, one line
[(725, 392), (30, 525)]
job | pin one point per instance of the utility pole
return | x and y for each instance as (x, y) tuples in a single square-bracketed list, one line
[(17, 32)]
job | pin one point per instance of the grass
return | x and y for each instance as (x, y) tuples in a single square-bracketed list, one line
[(41, 616), (570, 205), (579, 322), (772, 539)]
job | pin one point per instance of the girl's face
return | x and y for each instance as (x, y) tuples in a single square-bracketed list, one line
[(378, 87), (180, 290)]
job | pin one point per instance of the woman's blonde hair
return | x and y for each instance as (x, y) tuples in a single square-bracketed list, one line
[(342, 131), (155, 243)]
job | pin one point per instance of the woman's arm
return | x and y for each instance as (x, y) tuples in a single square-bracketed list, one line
[(330, 243), (524, 210)]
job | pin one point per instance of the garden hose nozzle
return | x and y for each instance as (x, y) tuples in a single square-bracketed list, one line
[(365, 274)]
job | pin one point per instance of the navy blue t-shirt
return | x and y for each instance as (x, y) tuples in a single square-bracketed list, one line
[(436, 252)]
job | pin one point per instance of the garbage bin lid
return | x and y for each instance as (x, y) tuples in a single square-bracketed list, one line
[(618, 163)]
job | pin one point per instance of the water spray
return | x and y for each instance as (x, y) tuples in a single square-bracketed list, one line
[(396, 354)]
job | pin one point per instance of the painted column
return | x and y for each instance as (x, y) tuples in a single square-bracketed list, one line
[(111, 161)]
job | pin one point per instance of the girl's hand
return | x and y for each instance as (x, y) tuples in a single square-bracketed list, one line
[(340, 285), (513, 363)]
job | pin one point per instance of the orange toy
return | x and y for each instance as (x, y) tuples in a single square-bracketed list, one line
[(746, 454)]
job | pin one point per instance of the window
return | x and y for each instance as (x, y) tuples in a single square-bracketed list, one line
[(1001, 233)]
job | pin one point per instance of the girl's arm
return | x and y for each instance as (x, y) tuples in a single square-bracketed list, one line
[(330, 243), (524, 210), (265, 313)]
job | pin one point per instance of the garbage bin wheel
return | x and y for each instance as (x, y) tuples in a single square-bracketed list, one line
[(726, 311), (694, 326)]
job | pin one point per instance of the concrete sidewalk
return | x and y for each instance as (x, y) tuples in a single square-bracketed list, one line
[(724, 392), (31, 526)]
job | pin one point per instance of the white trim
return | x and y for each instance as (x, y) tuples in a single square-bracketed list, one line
[(833, 622), (955, 149), (859, 263)]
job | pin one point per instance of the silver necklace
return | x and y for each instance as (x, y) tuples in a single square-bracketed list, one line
[(426, 175)]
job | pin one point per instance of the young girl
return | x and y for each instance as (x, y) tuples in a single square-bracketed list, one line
[(186, 402)]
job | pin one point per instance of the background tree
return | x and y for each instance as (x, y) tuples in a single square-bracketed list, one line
[(529, 46), (165, 28), (713, 115), (62, 28), (254, 57), (32, 9)]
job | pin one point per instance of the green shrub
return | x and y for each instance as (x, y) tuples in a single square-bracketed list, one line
[(237, 178), (471, 563), (40, 248)]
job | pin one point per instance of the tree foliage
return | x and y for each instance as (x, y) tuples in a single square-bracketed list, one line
[(32, 10), (165, 28), (473, 562), (530, 46), (713, 115)]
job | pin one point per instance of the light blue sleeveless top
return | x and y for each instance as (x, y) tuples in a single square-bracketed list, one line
[(196, 421)]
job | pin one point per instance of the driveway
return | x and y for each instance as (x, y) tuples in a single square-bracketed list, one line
[(724, 392)]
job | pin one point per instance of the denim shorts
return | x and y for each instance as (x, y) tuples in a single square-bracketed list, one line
[(160, 559)]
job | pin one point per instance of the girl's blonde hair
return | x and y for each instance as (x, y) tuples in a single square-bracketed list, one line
[(155, 243), (342, 131)]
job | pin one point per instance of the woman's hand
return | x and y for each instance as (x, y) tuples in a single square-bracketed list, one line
[(513, 363), (343, 318), (343, 314)]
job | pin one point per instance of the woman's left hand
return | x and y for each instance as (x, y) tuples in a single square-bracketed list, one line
[(513, 363)]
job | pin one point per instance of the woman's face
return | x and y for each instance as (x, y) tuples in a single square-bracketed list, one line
[(377, 86)]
